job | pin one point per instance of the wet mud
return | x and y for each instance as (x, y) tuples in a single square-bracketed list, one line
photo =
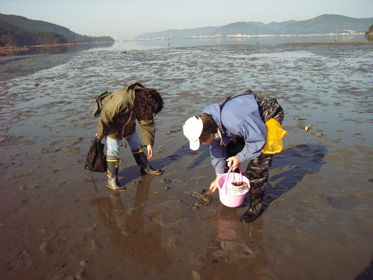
[(59, 221)]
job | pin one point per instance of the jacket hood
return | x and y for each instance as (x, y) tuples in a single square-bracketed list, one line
[(134, 85), (214, 111)]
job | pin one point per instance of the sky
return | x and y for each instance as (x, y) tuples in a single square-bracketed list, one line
[(126, 19)]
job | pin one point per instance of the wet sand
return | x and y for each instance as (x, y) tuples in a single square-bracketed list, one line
[(59, 221)]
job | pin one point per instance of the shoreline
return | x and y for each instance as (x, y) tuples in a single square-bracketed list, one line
[(4, 51), (333, 43), (239, 36)]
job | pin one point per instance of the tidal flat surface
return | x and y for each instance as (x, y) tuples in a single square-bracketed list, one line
[(59, 221)]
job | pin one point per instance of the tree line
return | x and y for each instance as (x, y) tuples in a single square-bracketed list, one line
[(12, 35)]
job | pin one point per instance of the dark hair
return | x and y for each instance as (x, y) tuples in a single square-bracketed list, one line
[(148, 102), (209, 126)]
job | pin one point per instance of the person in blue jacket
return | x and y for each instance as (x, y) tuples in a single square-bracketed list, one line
[(235, 132)]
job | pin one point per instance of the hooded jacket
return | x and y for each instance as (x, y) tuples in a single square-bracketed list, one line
[(118, 118), (241, 118)]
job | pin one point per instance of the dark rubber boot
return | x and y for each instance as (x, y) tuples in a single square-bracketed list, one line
[(257, 171), (112, 173), (255, 205), (142, 161)]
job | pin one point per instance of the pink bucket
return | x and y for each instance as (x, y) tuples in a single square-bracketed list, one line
[(231, 199)]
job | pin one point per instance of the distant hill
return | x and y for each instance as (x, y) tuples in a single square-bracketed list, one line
[(175, 33), (21, 31), (323, 24)]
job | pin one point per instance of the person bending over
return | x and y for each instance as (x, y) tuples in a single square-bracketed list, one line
[(117, 121), (235, 131)]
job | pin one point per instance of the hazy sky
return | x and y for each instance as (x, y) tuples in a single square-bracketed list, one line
[(125, 19)]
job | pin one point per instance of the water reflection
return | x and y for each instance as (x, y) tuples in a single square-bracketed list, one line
[(59, 49), (26, 62), (175, 43), (236, 249), (138, 241)]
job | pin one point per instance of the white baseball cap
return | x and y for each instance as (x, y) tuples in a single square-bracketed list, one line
[(192, 130)]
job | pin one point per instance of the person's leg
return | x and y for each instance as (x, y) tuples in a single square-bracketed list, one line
[(134, 141), (258, 172), (112, 159), (140, 156), (258, 169)]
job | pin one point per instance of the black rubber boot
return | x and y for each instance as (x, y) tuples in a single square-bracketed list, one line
[(255, 206), (257, 171), (142, 161), (112, 173)]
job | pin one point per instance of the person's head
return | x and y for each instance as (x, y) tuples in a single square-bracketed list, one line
[(148, 102), (200, 130)]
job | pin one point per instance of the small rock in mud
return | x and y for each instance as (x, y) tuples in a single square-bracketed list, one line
[(166, 181), (83, 263)]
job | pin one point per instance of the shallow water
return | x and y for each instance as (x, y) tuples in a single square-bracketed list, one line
[(59, 221)]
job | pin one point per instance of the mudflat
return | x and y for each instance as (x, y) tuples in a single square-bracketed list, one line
[(59, 221)]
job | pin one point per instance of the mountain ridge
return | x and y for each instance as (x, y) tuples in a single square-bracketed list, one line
[(21, 31), (323, 24)]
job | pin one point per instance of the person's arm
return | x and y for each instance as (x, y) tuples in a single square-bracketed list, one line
[(147, 131), (214, 184), (218, 156)]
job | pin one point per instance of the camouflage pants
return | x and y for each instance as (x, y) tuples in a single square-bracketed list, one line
[(257, 171)]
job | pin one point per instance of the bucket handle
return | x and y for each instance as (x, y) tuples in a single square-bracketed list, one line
[(225, 189)]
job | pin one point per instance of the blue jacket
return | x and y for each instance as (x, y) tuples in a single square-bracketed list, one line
[(240, 117)]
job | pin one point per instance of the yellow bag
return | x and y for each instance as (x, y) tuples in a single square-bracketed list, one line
[(273, 143)]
